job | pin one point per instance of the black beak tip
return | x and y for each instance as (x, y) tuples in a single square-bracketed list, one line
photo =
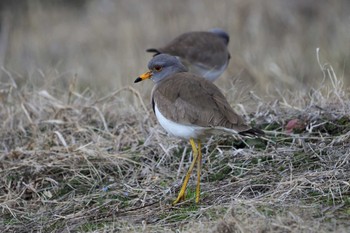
[(138, 80)]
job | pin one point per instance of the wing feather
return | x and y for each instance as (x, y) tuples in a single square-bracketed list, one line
[(182, 46), (191, 100)]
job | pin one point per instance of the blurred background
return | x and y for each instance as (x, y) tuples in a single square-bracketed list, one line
[(45, 44)]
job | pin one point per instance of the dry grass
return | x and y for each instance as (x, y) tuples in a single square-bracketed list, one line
[(85, 154)]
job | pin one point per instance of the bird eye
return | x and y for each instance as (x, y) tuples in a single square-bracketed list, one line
[(157, 68)]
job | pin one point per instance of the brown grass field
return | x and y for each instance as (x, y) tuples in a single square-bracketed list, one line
[(81, 150)]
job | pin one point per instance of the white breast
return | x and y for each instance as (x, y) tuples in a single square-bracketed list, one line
[(178, 130)]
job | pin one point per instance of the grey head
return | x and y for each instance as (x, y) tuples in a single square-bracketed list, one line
[(165, 65), (162, 66), (221, 33)]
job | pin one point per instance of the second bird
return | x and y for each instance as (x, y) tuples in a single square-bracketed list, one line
[(202, 52)]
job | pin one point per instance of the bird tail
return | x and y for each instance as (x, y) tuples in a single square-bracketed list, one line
[(155, 51), (252, 132)]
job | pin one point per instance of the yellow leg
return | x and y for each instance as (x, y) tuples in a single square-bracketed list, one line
[(182, 193), (199, 168)]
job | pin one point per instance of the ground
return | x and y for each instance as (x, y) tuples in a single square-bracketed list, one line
[(81, 150)]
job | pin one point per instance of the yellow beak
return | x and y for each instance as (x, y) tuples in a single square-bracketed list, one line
[(144, 76)]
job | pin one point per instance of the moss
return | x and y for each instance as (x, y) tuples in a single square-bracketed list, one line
[(257, 143), (59, 224), (181, 212), (267, 211), (336, 127), (221, 174), (271, 126), (90, 227), (261, 159), (302, 159)]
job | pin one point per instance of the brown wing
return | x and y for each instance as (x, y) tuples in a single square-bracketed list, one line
[(188, 44), (189, 99)]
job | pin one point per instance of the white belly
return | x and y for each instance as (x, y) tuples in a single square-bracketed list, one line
[(211, 74), (179, 130)]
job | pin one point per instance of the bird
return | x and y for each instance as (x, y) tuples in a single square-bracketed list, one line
[(202, 52), (192, 108)]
